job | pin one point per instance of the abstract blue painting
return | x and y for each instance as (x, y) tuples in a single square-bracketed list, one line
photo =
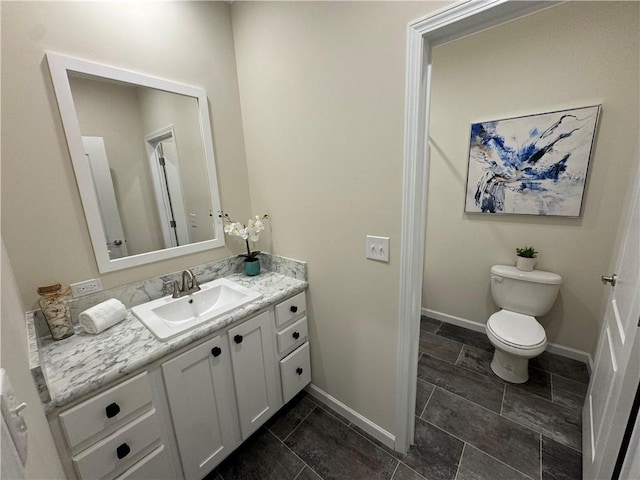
[(532, 165)]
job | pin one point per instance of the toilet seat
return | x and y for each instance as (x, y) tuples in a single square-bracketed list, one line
[(517, 330)]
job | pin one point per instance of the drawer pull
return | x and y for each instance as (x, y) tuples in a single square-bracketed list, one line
[(122, 451), (216, 351), (299, 370), (112, 410), (296, 335), (237, 339), (293, 308)]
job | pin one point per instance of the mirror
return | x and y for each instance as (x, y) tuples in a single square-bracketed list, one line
[(143, 159)]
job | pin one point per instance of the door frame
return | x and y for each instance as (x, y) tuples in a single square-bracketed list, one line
[(451, 23)]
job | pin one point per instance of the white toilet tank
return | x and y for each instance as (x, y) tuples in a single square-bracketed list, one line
[(531, 293)]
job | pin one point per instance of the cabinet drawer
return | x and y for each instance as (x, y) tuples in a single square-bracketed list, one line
[(295, 370), (290, 309), (120, 450), (106, 410), (293, 335), (155, 466)]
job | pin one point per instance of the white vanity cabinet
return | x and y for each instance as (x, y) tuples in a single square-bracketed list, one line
[(222, 391), (200, 389), (193, 407), (116, 433)]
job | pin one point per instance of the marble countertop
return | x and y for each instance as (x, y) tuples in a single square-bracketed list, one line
[(76, 366)]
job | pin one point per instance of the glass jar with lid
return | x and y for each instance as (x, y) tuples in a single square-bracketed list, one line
[(54, 303)]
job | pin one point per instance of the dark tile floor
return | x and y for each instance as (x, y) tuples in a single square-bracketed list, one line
[(470, 425)]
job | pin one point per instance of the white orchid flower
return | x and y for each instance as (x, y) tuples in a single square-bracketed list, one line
[(234, 228), (251, 232)]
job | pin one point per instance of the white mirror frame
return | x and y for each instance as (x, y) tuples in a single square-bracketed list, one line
[(60, 66)]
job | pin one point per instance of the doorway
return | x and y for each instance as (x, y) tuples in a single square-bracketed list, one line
[(456, 21)]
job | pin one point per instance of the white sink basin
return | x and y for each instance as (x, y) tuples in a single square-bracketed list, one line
[(168, 317)]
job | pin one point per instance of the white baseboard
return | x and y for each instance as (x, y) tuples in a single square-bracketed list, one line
[(479, 327), (358, 420), (461, 322)]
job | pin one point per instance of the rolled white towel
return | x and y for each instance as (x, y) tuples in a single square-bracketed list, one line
[(102, 316)]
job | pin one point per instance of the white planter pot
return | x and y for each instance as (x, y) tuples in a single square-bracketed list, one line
[(525, 264)]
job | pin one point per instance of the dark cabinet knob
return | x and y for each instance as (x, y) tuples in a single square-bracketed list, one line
[(296, 335), (122, 451), (299, 370), (293, 308), (237, 339), (112, 410), (216, 351)]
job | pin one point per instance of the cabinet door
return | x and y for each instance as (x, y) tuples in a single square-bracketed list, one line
[(200, 391), (255, 371)]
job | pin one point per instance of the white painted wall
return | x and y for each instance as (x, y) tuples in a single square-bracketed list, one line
[(322, 93), (575, 54)]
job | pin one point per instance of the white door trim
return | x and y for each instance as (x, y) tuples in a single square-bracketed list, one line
[(454, 22)]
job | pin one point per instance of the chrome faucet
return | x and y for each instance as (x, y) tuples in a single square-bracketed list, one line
[(189, 285)]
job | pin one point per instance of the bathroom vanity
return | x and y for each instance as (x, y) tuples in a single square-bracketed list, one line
[(123, 404)]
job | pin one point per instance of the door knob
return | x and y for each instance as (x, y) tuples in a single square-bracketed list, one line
[(117, 243), (610, 279)]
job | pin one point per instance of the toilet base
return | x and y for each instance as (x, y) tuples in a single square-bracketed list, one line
[(510, 367)]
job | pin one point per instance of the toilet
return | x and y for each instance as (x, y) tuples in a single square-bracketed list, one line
[(514, 331)]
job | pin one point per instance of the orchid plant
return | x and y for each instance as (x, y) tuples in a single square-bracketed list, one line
[(253, 229)]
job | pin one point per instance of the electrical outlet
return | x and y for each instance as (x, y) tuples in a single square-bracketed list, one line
[(378, 248), (87, 287)]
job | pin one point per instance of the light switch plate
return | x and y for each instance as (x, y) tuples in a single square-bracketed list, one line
[(12, 417), (378, 248)]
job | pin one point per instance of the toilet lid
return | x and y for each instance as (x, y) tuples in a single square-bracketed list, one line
[(522, 331)]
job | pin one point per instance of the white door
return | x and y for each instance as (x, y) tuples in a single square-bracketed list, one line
[(617, 367), (255, 371), (96, 154), (202, 402), (164, 166)]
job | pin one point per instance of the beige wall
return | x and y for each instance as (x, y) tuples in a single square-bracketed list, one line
[(322, 93), (576, 54), (42, 458), (42, 219)]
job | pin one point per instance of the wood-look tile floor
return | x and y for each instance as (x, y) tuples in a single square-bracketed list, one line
[(470, 425)]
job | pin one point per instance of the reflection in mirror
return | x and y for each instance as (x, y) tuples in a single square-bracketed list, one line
[(143, 158)]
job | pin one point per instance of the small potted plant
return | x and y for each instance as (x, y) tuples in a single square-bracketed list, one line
[(526, 258), (252, 232)]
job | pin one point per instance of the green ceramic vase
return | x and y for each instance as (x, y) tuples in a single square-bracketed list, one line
[(251, 267)]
